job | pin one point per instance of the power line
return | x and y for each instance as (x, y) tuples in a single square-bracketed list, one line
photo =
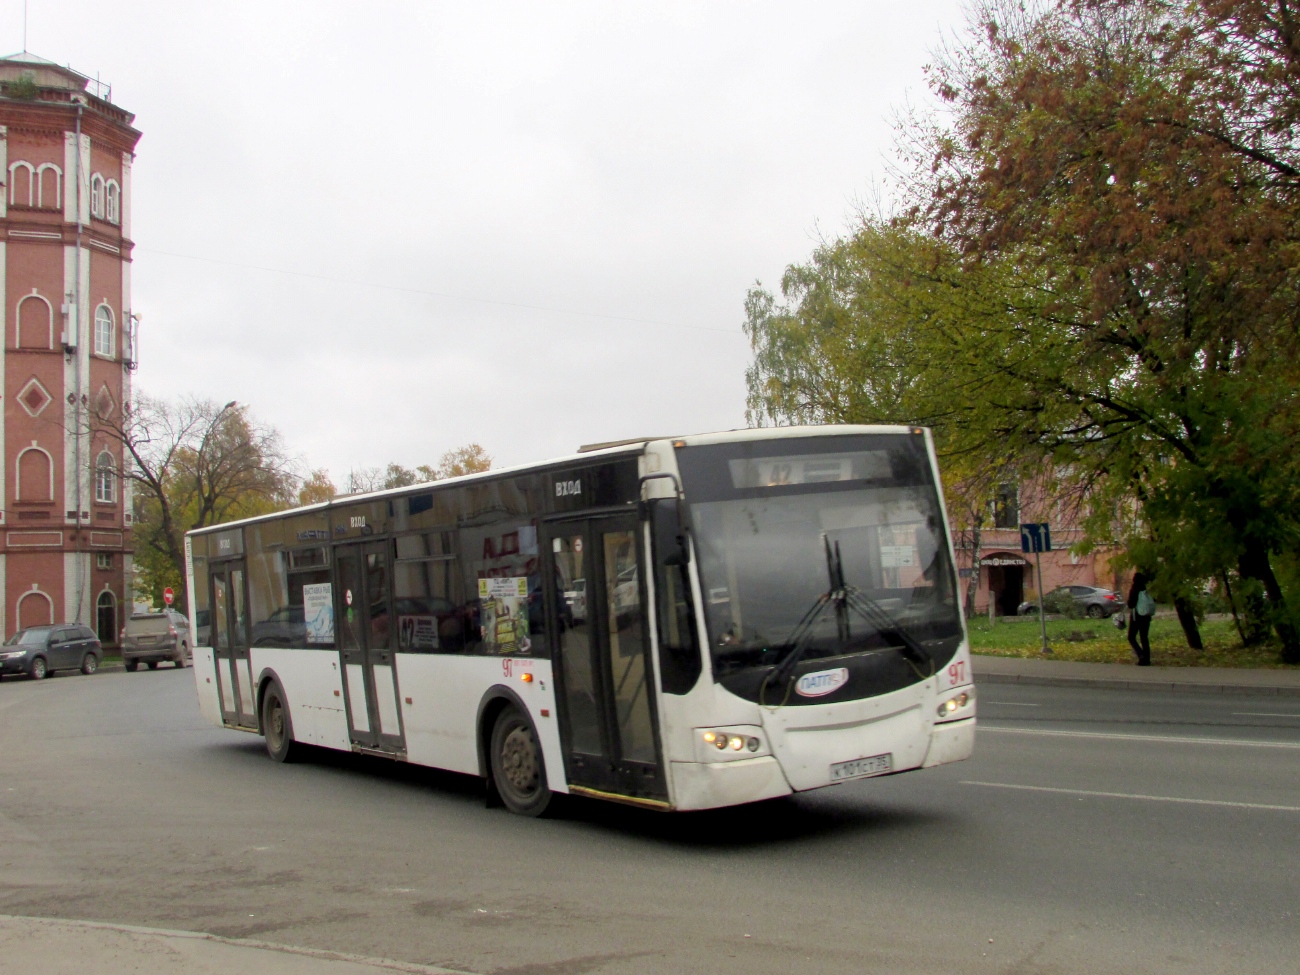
[(442, 294)]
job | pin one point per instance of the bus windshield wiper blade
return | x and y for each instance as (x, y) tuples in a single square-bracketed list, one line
[(879, 617), (845, 598), (798, 642), (801, 635)]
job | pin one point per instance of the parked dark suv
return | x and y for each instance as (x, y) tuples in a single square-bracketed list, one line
[(151, 638), (41, 650)]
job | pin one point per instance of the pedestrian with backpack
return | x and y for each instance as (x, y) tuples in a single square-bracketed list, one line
[(1141, 608)]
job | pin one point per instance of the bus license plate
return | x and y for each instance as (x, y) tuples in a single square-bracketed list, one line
[(859, 767)]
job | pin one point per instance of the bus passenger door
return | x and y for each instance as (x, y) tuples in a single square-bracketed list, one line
[(369, 673), (230, 645), (601, 653)]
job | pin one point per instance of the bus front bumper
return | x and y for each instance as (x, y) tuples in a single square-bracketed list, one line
[(698, 785), (951, 742)]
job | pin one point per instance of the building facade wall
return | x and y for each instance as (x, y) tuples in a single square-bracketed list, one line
[(1006, 576), (65, 254)]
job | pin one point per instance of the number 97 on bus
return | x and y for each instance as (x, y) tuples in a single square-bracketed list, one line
[(520, 669)]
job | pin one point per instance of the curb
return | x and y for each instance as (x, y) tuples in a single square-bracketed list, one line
[(1119, 684)]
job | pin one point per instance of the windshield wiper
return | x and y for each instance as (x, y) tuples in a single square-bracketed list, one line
[(801, 635), (879, 617), (845, 598)]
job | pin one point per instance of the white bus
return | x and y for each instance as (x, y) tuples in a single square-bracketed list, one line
[(677, 624)]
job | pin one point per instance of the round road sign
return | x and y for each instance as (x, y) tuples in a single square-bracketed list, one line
[(169, 597)]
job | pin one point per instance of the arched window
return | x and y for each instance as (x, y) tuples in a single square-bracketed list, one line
[(97, 196), (35, 323), (105, 478), (49, 186), (104, 331), (106, 617), (21, 179), (113, 202), (35, 476), (35, 608)]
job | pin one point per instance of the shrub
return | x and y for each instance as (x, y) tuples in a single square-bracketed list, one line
[(1062, 604)]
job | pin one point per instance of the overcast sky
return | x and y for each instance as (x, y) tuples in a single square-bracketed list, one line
[(395, 228)]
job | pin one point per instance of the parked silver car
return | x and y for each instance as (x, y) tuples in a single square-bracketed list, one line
[(41, 650), (151, 638), (1091, 600)]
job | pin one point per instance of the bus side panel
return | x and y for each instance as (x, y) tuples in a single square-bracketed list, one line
[(440, 700), (205, 682), (313, 685)]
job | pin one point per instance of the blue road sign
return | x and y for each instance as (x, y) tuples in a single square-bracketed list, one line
[(1035, 536)]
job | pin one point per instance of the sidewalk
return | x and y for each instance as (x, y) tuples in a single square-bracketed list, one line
[(1068, 673), (57, 947)]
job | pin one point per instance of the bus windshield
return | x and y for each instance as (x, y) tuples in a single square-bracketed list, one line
[(779, 525)]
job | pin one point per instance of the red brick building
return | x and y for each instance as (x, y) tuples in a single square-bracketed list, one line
[(1006, 576), (69, 347)]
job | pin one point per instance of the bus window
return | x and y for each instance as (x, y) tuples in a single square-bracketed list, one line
[(426, 594), (377, 594), (680, 663), (575, 648)]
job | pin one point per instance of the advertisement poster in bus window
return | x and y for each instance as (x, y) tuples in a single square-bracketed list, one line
[(504, 603), (417, 631), (318, 612)]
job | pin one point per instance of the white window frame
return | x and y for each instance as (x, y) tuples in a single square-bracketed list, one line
[(112, 202), (105, 332), (103, 560), (31, 182), (97, 196), (18, 473), (40, 187), (105, 479)]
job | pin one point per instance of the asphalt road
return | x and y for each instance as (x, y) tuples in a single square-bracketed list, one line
[(1093, 832)]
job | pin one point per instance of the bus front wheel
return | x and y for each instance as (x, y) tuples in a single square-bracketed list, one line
[(518, 770)]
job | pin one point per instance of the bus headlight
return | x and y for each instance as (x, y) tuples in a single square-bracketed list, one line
[(954, 704), (725, 743)]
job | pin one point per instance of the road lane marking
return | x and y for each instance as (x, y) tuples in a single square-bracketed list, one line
[(1263, 714), (1182, 740), (1134, 795)]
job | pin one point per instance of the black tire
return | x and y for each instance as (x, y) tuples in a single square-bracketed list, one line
[(131, 665), (39, 669), (1096, 612), (277, 727), (89, 663), (518, 770), (152, 664), (183, 658)]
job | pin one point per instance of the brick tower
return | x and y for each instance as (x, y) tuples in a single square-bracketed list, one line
[(69, 347)]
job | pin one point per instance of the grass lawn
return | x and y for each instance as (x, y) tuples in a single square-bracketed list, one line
[(1097, 641)]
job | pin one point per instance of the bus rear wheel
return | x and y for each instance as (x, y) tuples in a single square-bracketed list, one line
[(277, 727), (518, 770)]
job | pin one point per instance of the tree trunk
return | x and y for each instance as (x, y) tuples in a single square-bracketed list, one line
[(1253, 563), (973, 583), (1232, 605), (1187, 617)]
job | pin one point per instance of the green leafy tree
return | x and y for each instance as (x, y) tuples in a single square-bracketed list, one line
[(1131, 168)]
